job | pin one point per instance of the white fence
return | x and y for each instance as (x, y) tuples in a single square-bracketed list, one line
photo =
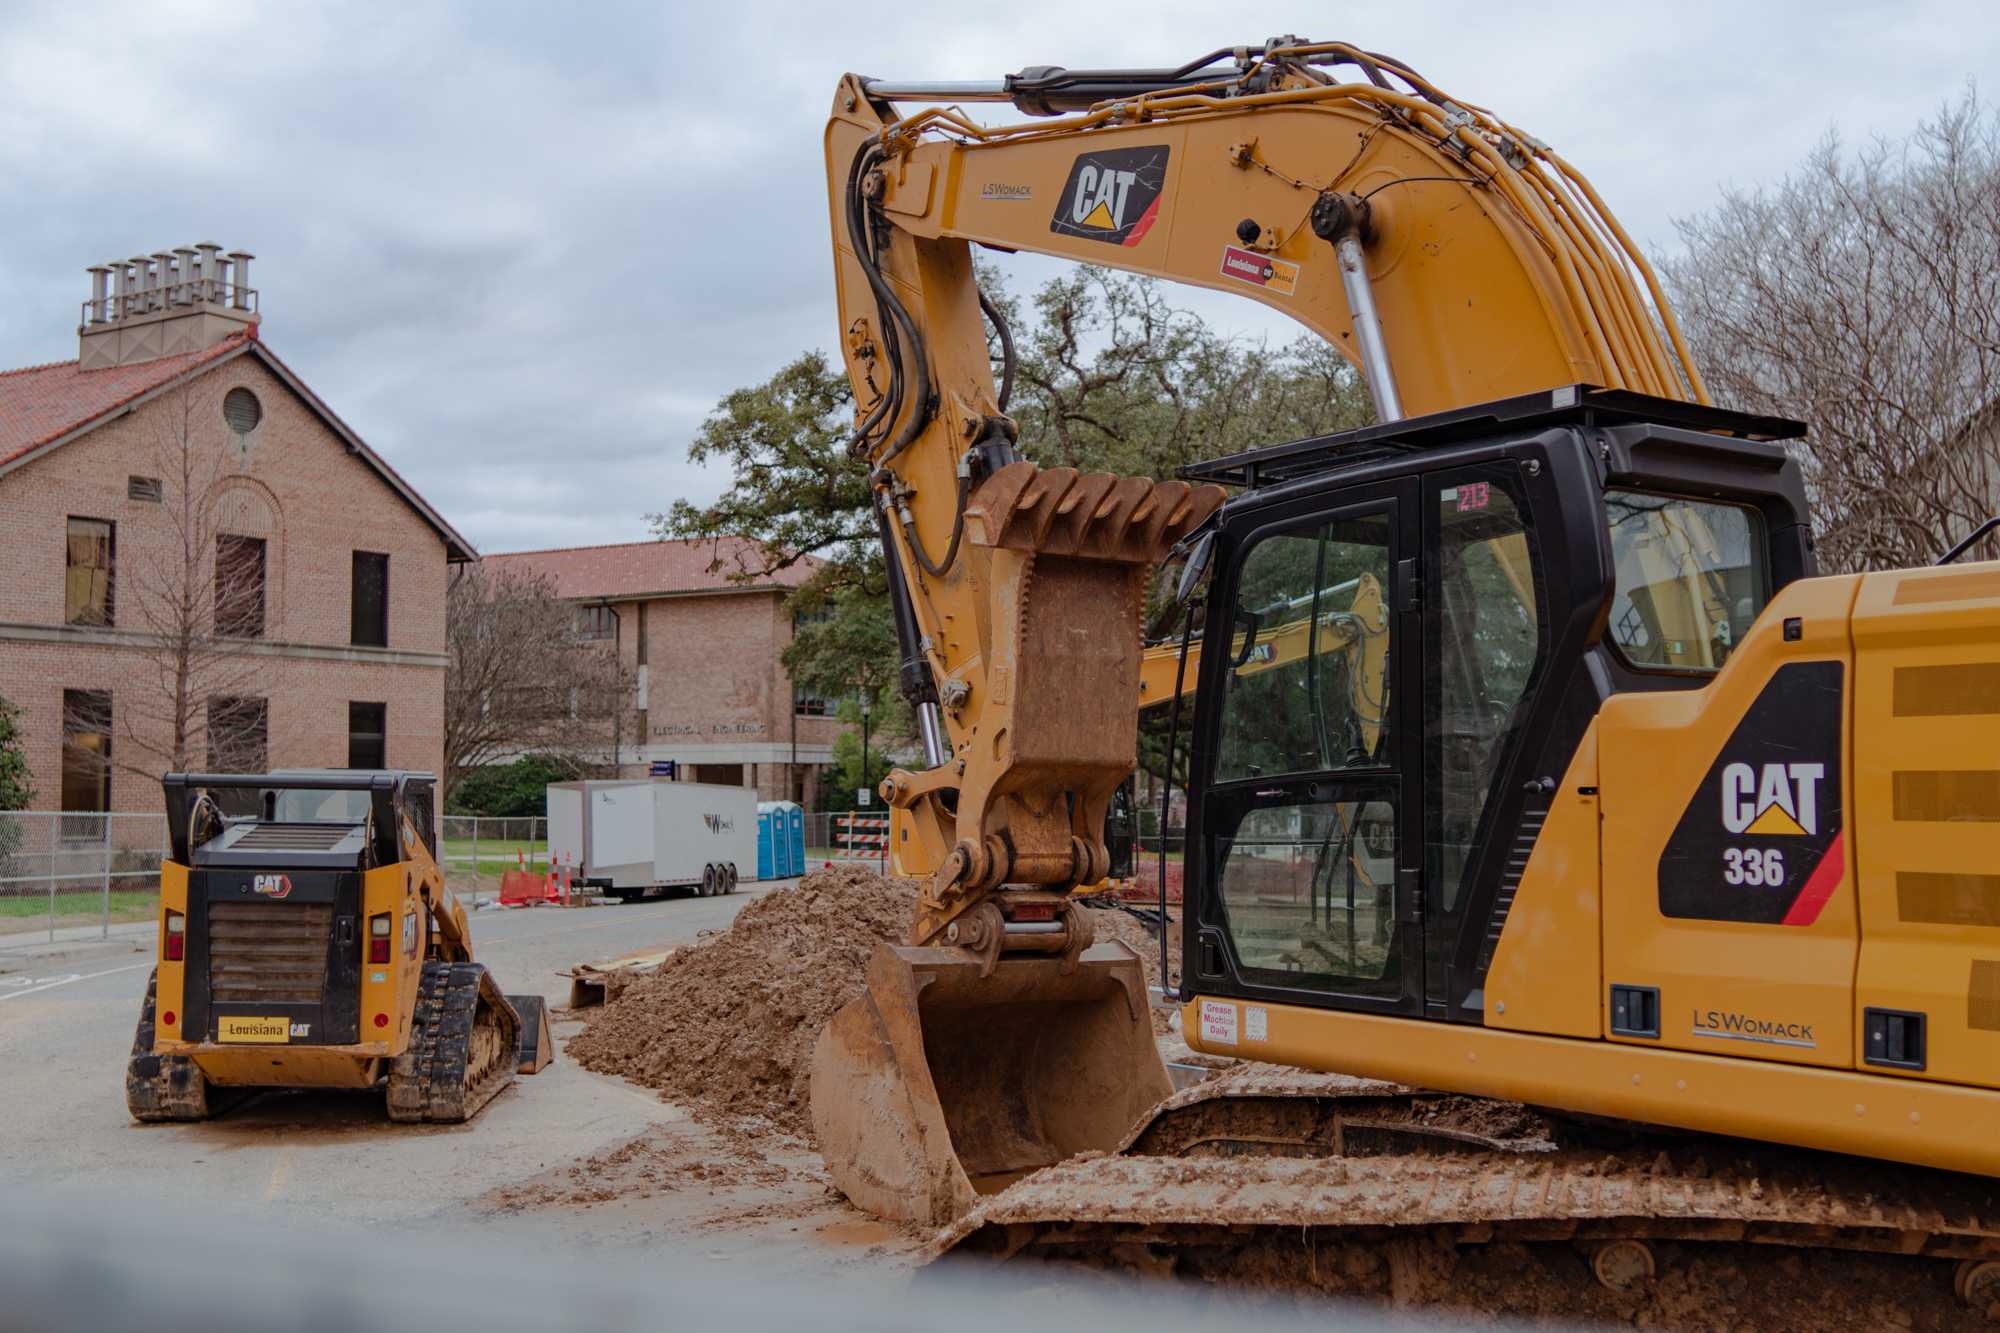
[(78, 873)]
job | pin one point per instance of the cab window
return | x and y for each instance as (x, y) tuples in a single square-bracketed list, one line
[(1306, 688), (1691, 577)]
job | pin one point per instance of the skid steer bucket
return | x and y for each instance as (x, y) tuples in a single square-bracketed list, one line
[(938, 1085)]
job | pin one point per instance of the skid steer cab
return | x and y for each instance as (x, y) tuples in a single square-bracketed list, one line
[(307, 940)]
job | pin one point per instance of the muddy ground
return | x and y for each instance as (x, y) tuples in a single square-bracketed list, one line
[(725, 1030)]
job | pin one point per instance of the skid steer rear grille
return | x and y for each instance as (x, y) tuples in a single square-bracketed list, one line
[(268, 952)]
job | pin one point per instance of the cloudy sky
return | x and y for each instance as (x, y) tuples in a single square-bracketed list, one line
[(524, 248)]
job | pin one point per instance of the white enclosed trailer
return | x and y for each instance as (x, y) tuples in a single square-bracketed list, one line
[(631, 839)]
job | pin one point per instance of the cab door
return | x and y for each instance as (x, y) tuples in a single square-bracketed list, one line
[(1308, 815)]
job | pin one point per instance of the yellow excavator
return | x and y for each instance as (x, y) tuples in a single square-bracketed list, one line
[(1643, 821)]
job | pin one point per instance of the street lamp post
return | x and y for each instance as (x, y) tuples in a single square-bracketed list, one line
[(866, 707)]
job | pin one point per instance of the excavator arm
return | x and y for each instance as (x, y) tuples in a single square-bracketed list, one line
[(1452, 257)]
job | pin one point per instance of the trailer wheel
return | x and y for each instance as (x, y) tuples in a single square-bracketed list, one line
[(730, 871), (708, 881)]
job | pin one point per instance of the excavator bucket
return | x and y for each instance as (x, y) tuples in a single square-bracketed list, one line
[(939, 1085)]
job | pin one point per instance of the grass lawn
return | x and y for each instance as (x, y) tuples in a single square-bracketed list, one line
[(30, 911), (496, 855)]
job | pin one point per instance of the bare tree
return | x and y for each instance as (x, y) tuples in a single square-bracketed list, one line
[(1862, 295), (190, 593), (521, 681)]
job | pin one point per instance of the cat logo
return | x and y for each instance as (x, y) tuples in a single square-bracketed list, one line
[(272, 886), (1112, 196), (1772, 800)]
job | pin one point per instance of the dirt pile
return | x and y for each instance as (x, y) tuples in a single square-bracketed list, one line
[(1111, 923), (727, 1028)]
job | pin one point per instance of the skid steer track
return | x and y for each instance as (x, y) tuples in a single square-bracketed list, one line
[(1297, 1160), (161, 1088), (464, 1040)]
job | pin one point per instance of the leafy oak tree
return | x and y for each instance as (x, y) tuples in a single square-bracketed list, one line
[(1112, 376)]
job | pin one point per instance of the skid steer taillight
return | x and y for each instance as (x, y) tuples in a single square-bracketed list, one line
[(378, 938), (175, 948)]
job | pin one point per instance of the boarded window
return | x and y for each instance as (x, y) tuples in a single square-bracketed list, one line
[(367, 735), (239, 586), (90, 572), (86, 759), (239, 735), (371, 599)]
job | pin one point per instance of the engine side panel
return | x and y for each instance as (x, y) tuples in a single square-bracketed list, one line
[(1927, 810), (1728, 884)]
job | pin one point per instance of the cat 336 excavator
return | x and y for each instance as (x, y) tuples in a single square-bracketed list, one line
[(307, 940), (1529, 756)]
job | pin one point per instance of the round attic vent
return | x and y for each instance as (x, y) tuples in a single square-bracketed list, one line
[(242, 411)]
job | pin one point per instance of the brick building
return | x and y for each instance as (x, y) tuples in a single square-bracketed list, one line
[(178, 504), (711, 694)]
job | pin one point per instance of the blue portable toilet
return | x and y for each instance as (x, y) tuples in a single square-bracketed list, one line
[(771, 854), (795, 836)]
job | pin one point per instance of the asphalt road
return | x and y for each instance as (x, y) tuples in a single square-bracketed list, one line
[(66, 1025)]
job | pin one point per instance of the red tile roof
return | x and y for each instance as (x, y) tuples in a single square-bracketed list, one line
[(656, 568), (39, 404)]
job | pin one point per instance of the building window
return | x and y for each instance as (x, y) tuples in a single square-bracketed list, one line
[(807, 704), (241, 410), (147, 489), (91, 565), (819, 615), (239, 587), (86, 759), (371, 599), (595, 622), (367, 735), (239, 735)]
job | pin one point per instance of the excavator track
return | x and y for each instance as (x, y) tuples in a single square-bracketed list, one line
[(1296, 1161), (163, 1088), (464, 1039)]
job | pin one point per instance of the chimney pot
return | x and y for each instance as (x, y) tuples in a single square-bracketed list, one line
[(100, 276), (161, 278), (240, 275), (211, 271), (186, 275)]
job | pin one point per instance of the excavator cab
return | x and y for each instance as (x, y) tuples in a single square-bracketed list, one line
[(1357, 832), (1418, 621)]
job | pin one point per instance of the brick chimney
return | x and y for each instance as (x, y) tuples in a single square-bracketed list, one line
[(164, 304)]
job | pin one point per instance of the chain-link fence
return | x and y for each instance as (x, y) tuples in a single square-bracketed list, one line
[(475, 850), (77, 873), (859, 837)]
